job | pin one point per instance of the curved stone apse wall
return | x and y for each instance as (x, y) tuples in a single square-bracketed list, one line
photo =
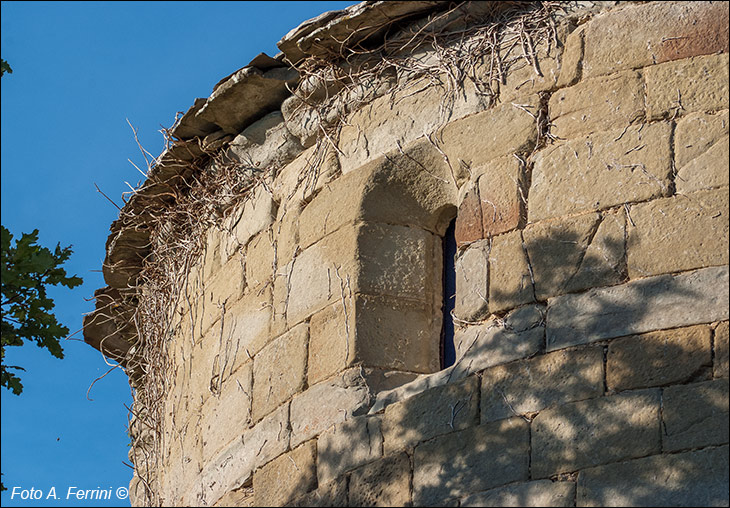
[(277, 287)]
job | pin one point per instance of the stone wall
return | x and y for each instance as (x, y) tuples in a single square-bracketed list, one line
[(591, 306)]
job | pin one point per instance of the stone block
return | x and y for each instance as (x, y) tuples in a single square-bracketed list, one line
[(434, 412), (382, 483), (260, 260), (510, 277), (253, 216), (531, 385), (314, 281), (331, 338), (470, 460), (221, 291), (534, 493), (701, 151), (611, 41), (501, 195), (685, 86), (520, 79), (593, 432), (397, 334), (695, 415), (413, 186), (658, 358), (265, 145), (306, 175), (397, 261), (721, 350), (227, 415), (326, 404), (246, 326), (601, 170), (233, 467), (654, 303), (238, 497), (348, 445), (239, 100), (286, 477), (571, 65), (468, 227), (471, 283), (336, 205), (331, 494), (379, 127), (697, 478), (480, 138), (279, 370), (678, 233), (556, 250), (286, 232), (598, 104)]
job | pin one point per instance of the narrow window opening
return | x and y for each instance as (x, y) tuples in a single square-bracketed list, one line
[(448, 351)]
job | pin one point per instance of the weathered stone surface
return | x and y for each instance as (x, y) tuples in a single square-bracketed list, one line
[(654, 303), (471, 283), (413, 188), (306, 175), (468, 227), (265, 144), (314, 278), (510, 277), (685, 86), (501, 194), (535, 493), (556, 249), (190, 126), (260, 260), (256, 214), (520, 79), (233, 467), (571, 65), (721, 350), (601, 170), (695, 415), (348, 445), (470, 460), (532, 385), (382, 483), (597, 431), (331, 494), (612, 41), (246, 327), (599, 104), (678, 233), (379, 127), (434, 412), (658, 358), (396, 261), (701, 151), (397, 334), (521, 333), (279, 370), (246, 96), (326, 404), (238, 497), (331, 338), (286, 477), (698, 478), (227, 415), (503, 130)]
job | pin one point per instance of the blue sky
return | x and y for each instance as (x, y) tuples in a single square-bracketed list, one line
[(80, 70)]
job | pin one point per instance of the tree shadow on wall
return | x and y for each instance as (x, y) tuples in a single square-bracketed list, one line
[(523, 412)]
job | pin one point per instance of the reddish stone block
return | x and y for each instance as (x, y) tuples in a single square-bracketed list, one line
[(469, 219)]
